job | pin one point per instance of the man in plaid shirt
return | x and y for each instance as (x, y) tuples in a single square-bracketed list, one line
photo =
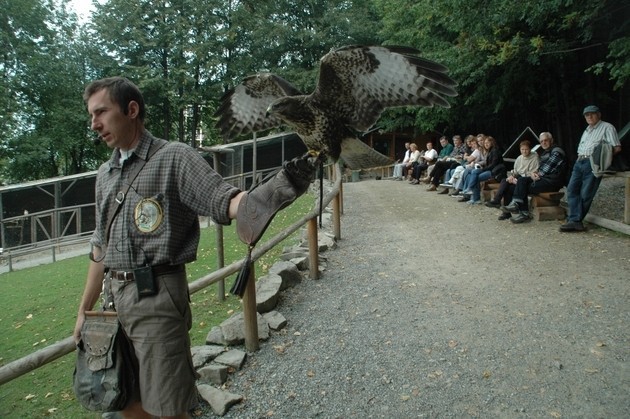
[(154, 234)]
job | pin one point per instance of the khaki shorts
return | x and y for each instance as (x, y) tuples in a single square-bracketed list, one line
[(157, 328)]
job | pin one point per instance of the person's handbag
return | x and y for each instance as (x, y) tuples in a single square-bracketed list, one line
[(101, 381), (499, 172)]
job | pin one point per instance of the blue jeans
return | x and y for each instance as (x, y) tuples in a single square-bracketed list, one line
[(465, 185), (473, 179), (581, 190)]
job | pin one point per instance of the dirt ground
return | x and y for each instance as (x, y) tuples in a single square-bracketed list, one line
[(434, 308)]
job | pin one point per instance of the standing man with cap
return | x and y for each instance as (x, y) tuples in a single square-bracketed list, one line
[(583, 184)]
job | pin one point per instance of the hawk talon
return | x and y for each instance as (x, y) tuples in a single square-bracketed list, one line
[(314, 157)]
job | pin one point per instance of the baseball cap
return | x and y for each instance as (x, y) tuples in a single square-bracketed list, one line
[(590, 108)]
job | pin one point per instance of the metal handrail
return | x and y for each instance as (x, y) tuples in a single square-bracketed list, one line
[(48, 354)]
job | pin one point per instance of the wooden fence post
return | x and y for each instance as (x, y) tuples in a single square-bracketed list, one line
[(313, 249), (336, 217), (220, 260), (250, 314)]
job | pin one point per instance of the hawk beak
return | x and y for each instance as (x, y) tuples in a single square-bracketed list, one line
[(268, 111)]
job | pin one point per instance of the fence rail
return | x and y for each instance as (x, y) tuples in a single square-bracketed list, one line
[(52, 352)]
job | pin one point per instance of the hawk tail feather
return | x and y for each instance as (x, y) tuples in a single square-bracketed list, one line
[(358, 155)]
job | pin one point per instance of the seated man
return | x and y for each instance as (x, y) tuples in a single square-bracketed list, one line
[(450, 161), (400, 167), (548, 178), (423, 162)]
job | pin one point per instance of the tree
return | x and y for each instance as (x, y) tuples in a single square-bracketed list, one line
[(533, 63), (44, 71)]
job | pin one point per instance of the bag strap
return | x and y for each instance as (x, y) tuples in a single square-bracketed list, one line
[(120, 196)]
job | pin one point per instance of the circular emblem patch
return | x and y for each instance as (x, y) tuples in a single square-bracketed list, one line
[(148, 215)]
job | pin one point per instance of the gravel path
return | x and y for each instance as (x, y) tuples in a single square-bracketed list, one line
[(434, 308)]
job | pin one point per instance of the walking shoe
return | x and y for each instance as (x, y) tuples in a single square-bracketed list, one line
[(572, 226), (431, 188), (464, 198), (513, 208), (414, 182), (473, 202), (443, 191), (454, 194), (446, 184), (522, 217), (492, 204), (505, 215)]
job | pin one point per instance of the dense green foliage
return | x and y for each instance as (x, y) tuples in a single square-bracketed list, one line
[(528, 63)]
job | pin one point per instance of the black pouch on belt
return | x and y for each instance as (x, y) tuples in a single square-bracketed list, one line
[(145, 281)]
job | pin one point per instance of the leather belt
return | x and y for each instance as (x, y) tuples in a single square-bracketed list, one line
[(158, 270), (582, 157)]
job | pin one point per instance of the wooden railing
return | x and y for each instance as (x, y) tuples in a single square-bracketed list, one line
[(44, 231), (50, 353)]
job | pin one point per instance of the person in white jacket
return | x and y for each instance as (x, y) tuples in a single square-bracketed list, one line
[(525, 165)]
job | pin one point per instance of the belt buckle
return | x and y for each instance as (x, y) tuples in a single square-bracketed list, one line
[(124, 279)]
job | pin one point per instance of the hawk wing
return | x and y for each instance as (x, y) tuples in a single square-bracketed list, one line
[(243, 109), (358, 155), (358, 82)]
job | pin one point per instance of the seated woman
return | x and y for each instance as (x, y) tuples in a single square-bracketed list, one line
[(525, 165), (413, 157), (429, 157), (472, 187), (476, 158)]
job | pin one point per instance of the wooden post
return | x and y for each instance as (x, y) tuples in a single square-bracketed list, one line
[(626, 212), (219, 235), (250, 315), (220, 261), (313, 249), (336, 215)]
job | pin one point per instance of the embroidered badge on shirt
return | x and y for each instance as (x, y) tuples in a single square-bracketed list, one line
[(148, 215)]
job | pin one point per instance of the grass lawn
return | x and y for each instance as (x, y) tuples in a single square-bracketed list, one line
[(39, 308)]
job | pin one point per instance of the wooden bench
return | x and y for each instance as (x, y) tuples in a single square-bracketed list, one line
[(489, 189), (545, 206)]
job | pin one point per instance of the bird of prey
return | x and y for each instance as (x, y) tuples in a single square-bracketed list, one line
[(356, 83)]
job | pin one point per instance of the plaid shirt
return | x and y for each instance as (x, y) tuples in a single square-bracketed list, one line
[(458, 152), (552, 162), (175, 182)]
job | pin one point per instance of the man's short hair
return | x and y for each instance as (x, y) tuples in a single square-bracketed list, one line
[(547, 135), (121, 90)]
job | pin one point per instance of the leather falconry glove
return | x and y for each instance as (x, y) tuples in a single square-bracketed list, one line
[(258, 207)]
